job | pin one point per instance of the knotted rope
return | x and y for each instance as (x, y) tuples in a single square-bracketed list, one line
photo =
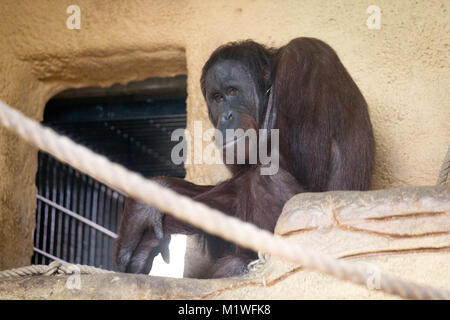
[(54, 268)]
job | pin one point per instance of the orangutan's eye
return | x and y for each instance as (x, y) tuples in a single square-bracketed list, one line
[(218, 97), (232, 91)]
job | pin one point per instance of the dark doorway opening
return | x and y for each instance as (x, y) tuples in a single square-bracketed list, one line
[(77, 217)]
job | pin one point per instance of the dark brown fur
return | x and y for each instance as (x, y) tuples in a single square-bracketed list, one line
[(326, 138), (326, 143)]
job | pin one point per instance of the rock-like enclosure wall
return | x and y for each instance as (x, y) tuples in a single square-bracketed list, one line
[(402, 69)]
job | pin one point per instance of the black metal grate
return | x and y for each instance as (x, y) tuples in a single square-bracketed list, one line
[(141, 145), (77, 217), (59, 235)]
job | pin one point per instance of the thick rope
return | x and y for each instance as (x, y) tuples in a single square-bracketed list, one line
[(56, 267), (210, 220), (445, 169)]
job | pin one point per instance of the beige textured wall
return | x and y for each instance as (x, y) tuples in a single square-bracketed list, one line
[(402, 70)]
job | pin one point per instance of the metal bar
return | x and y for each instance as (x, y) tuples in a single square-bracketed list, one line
[(102, 221), (48, 255), (113, 225), (39, 213), (88, 215), (53, 195), (92, 242), (60, 218), (46, 208), (83, 246), (66, 203), (79, 227), (99, 220), (78, 217), (106, 241), (73, 222)]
